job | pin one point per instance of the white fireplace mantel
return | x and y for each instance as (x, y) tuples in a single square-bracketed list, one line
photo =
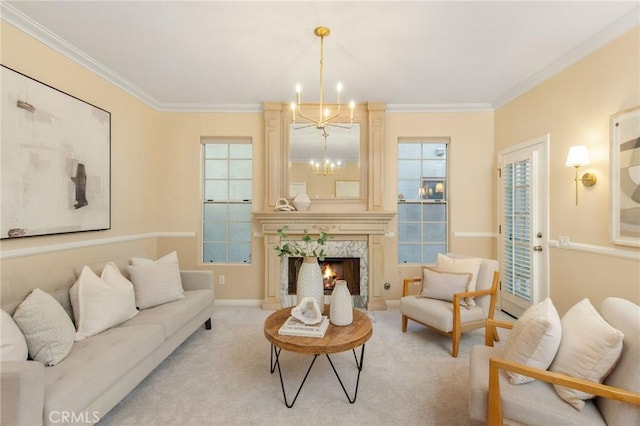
[(364, 225)]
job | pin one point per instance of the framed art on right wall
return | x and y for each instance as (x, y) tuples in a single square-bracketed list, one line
[(625, 177)]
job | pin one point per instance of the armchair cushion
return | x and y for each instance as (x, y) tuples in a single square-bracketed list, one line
[(534, 339), (437, 313), (589, 350), (443, 285), (469, 265)]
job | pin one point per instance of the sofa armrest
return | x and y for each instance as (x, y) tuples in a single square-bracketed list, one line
[(197, 280), (494, 416), (21, 392)]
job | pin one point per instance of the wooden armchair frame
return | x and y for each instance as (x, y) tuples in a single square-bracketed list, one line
[(494, 413), (458, 326)]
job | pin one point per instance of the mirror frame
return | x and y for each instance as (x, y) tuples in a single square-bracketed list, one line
[(360, 118)]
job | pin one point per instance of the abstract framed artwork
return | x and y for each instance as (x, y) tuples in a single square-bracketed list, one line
[(625, 177), (55, 157)]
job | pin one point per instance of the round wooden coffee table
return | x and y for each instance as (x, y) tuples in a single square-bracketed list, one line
[(336, 339)]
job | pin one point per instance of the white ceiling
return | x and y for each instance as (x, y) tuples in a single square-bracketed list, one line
[(413, 55)]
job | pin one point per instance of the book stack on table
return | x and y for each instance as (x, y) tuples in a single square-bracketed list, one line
[(295, 327)]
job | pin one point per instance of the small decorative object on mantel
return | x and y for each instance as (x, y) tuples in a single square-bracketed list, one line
[(341, 308), (307, 311), (302, 201), (309, 282), (283, 205)]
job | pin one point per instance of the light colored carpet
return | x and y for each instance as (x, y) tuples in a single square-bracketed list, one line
[(222, 377)]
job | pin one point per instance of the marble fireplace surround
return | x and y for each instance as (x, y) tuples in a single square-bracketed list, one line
[(365, 229)]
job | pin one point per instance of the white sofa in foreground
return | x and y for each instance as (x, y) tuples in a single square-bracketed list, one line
[(100, 370)]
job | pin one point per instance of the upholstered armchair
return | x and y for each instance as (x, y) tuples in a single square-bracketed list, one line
[(451, 314)]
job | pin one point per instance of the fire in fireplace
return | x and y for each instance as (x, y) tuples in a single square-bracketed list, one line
[(333, 268)]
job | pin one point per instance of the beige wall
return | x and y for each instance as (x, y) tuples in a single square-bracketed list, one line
[(574, 107), (156, 171), (471, 182), (134, 158), (180, 195)]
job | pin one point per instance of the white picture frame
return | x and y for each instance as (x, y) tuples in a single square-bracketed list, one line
[(625, 177)]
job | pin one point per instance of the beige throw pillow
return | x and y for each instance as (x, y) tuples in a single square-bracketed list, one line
[(156, 282), (589, 349), (534, 339), (47, 328), (443, 285), (469, 265), (100, 303)]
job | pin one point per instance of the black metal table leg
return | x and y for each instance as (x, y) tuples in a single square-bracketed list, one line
[(276, 351), (358, 365)]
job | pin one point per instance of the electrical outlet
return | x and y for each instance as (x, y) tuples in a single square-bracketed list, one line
[(221, 279), (564, 241)]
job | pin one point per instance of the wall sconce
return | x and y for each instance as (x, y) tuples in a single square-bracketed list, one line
[(578, 156)]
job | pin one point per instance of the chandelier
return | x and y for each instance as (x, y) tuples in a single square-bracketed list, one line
[(325, 112), (325, 167)]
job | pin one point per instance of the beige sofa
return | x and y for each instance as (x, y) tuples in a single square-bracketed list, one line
[(496, 401), (100, 370)]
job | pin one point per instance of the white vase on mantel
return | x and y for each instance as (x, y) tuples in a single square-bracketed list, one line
[(341, 308), (310, 282), (301, 201)]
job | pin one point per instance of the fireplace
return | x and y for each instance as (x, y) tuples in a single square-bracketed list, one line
[(350, 256), (333, 268), (359, 234)]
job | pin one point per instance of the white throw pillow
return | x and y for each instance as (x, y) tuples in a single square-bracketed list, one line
[(443, 285), (13, 347), (589, 349), (157, 282), (470, 265), (100, 303), (534, 339), (47, 328)]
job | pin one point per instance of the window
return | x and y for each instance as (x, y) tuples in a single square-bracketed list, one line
[(226, 201), (422, 200)]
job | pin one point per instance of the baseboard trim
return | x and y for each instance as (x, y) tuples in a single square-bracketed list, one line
[(50, 248), (238, 302), (589, 248)]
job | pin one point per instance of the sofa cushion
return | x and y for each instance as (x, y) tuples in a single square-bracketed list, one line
[(13, 347), (589, 349), (532, 403), (156, 282), (96, 363), (101, 302), (46, 326), (469, 265), (443, 285), (624, 316), (173, 315), (534, 339)]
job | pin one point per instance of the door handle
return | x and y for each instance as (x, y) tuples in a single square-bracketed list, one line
[(537, 248)]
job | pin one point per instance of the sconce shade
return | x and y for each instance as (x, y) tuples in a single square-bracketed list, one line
[(578, 156)]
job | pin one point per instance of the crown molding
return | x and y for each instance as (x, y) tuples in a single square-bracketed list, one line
[(27, 25), (461, 107), (606, 35), (16, 18)]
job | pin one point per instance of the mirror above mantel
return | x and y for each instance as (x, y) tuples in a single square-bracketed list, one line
[(325, 164), (360, 191)]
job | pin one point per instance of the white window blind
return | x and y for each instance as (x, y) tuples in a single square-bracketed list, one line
[(516, 232)]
